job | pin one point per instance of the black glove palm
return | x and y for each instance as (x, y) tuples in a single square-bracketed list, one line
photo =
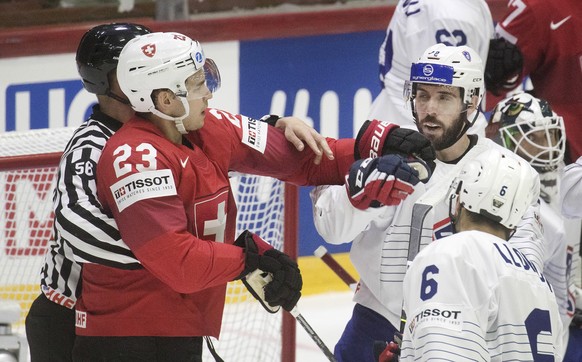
[(503, 67)]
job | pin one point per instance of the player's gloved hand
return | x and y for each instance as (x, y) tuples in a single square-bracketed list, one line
[(282, 286), (377, 138), (503, 67), (391, 352), (374, 182), (577, 319)]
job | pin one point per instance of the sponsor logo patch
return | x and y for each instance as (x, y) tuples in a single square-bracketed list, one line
[(254, 134), (142, 186), (80, 319), (437, 315)]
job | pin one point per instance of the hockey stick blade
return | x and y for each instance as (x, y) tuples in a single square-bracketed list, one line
[(322, 253), (420, 210), (295, 313)]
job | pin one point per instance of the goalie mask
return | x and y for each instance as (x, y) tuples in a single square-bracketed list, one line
[(528, 127), (98, 53), (443, 65), (164, 61), (498, 186)]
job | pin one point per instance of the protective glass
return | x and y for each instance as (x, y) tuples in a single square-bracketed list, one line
[(202, 84)]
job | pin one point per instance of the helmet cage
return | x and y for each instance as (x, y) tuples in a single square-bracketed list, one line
[(520, 117)]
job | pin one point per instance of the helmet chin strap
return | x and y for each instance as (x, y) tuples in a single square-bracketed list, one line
[(466, 124), (177, 120), (112, 95)]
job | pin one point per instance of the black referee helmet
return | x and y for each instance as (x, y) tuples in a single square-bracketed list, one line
[(98, 53)]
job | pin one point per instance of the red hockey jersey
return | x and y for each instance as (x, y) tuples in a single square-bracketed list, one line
[(549, 35), (175, 210)]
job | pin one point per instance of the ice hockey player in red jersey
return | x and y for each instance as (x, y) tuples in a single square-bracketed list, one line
[(547, 33)]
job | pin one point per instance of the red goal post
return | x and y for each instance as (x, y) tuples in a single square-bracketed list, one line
[(28, 173)]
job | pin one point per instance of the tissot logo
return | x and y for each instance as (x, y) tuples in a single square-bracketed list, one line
[(142, 186), (141, 183), (119, 193)]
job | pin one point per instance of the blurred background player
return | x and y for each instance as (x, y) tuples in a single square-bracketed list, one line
[(472, 295), (164, 178), (83, 232), (414, 26), (446, 87), (547, 34), (527, 126)]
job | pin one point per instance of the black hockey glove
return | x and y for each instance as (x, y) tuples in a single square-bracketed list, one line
[(270, 119), (504, 66), (375, 182), (377, 138), (278, 281)]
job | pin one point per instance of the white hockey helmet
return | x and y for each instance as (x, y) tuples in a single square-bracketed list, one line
[(518, 118), (496, 185), (448, 65), (163, 61)]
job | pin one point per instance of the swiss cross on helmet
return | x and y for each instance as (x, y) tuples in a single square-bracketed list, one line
[(497, 185), (98, 52), (528, 126)]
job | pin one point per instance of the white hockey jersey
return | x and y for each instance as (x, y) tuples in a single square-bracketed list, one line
[(558, 261), (571, 191), (474, 297), (381, 236), (415, 26)]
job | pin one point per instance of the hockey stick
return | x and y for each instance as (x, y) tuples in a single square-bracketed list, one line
[(322, 253), (419, 212), (255, 283), (295, 313)]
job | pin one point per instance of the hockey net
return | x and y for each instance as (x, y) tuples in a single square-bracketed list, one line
[(28, 173)]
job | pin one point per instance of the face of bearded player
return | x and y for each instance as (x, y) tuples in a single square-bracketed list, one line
[(440, 114)]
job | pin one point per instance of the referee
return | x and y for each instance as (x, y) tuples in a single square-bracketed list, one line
[(82, 232)]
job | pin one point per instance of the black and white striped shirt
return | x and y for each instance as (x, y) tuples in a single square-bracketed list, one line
[(82, 232)]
